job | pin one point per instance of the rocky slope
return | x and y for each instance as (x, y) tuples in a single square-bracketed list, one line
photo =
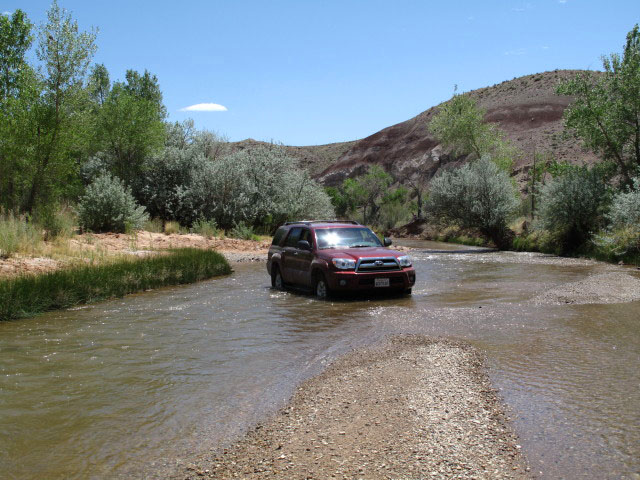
[(527, 109)]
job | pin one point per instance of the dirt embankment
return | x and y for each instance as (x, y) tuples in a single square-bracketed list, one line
[(412, 408), (99, 247)]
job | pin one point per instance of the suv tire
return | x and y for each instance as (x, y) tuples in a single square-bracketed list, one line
[(276, 279), (321, 287)]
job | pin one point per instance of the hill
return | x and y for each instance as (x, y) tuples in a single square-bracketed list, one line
[(527, 109)]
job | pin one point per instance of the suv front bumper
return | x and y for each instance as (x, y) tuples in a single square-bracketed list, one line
[(348, 280)]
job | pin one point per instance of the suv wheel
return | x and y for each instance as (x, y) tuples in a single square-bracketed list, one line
[(276, 279), (321, 287)]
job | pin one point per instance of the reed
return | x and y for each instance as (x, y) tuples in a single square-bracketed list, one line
[(28, 295)]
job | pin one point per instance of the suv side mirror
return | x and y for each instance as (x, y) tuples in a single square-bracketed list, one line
[(303, 245), (387, 241)]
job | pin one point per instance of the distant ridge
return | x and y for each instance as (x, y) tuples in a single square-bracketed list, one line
[(527, 109)]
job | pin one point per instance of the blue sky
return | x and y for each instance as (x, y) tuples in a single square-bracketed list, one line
[(314, 72)]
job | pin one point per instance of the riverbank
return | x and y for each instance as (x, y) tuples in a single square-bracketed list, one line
[(90, 248), (411, 408), (28, 295)]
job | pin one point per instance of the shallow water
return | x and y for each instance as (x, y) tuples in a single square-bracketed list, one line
[(146, 383)]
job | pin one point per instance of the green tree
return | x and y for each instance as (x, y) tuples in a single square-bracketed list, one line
[(16, 81), (606, 110), (130, 122), (459, 125), (65, 54), (367, 191)]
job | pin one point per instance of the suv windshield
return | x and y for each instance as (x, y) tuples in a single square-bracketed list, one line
[(347, 237)]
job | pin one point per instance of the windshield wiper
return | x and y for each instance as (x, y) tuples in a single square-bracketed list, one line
[(359, 246)]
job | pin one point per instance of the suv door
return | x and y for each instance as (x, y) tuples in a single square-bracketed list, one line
[(289, 254), (304, 259)]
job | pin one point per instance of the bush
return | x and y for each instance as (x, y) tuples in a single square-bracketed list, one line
[(18, 234), (206, 228), (477, 195), (262, 187), (243, 232), (625, 207), (572, 206), (56, 221), (108, 206), (153, 225)]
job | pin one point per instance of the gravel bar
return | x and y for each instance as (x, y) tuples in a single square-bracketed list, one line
[(413, 407)]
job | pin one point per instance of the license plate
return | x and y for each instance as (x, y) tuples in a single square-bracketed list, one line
[(381, 282)]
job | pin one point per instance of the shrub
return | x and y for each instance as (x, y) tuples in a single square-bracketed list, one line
[(108, 206), (477, 195), (18, 234), (243, 232), (171, 228), (572, 206), (153, 225), (262, 187), (625, 207), (206, 228), (56, 221)]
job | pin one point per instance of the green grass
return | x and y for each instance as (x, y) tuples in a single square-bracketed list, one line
[(29, 295)]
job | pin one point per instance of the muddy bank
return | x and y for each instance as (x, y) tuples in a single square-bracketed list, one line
[(411, 408)]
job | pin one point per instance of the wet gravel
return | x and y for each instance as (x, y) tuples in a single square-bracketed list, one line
[(614, 287), (413, 407)]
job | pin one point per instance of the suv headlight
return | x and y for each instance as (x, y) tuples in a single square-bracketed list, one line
[(344, 263), (404, 261)]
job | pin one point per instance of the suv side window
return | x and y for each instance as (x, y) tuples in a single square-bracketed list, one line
[(277, 238), (294, 236), (306, 235)]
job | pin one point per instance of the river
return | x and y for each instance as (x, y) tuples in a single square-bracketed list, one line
[(139, 386)]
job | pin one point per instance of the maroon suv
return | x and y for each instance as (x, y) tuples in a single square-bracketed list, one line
[(330, 256)]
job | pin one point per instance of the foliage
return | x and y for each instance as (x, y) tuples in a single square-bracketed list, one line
[(129, 124), (108, 206), (243, 232), (393, 209), (206, 228), (460, 125), (261, 188), (366, 193), (56, 221), (477, 195), (625, 207), (572, 206), (28, 295), (606, 109), (17, 234)]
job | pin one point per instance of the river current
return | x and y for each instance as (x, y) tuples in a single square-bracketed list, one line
[(139, 386)]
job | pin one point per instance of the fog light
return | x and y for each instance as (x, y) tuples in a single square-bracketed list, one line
[(343, 283)]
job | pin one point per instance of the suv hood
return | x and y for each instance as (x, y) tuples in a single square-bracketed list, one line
[(358, 253)]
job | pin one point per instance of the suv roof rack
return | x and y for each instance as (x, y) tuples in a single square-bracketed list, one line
[(308, 222)]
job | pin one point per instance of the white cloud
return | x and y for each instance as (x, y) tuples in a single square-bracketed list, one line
[(204, 107), (519, 51)]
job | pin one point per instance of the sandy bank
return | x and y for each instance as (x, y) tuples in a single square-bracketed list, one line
[(412, 408), (100, 247)]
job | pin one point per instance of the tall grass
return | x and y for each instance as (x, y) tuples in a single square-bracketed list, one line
[(29, 295), (18, 234)]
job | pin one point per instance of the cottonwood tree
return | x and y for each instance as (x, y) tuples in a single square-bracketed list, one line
[(65, 54), (606, 110), (459, 125)]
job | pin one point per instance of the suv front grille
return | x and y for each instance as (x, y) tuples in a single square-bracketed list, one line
[(381, 264)]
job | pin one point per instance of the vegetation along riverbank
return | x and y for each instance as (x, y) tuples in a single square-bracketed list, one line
[(27, 295)]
